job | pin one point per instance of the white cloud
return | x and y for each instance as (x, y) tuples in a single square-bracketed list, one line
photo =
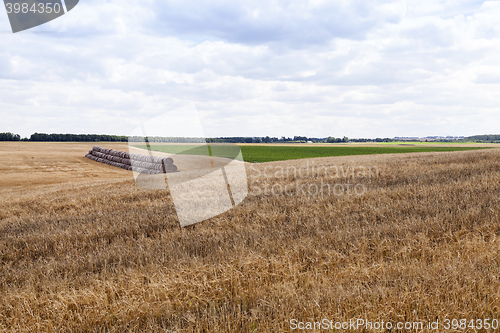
[(317, 68)]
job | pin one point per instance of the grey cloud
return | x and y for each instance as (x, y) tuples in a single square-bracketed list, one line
[(376, 68), (488, 78), (257, 22)]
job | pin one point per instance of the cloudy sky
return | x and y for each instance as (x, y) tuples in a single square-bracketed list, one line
[(260, 67)]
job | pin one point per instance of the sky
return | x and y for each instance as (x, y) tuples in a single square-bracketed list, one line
[(361, 69)]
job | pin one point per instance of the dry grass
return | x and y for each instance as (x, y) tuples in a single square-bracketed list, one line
[(106, 256)]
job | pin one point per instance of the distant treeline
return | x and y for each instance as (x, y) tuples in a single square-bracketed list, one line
[(267, 139), (9, 137), (484, 138), (43, 137)]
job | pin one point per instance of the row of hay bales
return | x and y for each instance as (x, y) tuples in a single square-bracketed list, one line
[(138, 163)]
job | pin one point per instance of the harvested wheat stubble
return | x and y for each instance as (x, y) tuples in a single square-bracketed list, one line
[(139, 163), (420, 245)]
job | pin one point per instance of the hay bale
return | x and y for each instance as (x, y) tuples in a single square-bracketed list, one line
[(170, 168), (98, 154), (132, 162), (140, 170), (156, 159)]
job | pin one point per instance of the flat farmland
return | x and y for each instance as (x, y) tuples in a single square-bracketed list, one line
[(258, 153), (282, 153), (82, 249)]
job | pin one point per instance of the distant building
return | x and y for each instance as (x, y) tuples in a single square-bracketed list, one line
[(428, 138)]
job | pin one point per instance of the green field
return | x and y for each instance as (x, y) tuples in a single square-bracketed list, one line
[(427, 143), (264, 153)]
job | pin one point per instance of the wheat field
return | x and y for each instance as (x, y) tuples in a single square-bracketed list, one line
[(82, 249)]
